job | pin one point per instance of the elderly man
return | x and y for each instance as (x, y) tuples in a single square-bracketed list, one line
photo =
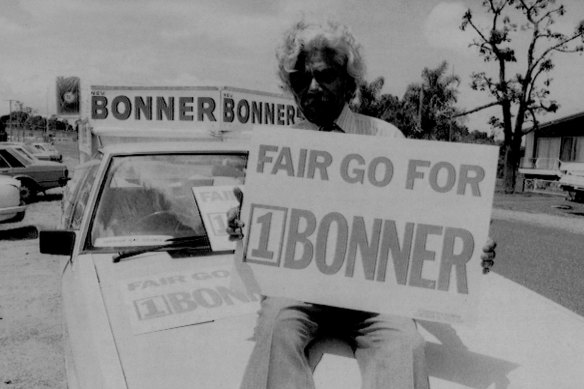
[(321, 65)]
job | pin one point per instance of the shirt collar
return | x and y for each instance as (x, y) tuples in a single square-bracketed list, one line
[(346, 119)]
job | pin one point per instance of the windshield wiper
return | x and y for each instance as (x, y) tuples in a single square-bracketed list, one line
[(172, 243)]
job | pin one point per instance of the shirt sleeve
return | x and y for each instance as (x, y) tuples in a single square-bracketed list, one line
[(386, 129)]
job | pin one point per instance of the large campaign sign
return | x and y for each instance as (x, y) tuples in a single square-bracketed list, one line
[(377, 224)]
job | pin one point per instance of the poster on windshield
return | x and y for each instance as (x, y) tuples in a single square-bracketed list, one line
[(213, 203), (369, 223)]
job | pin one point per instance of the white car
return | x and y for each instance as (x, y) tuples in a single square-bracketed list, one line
[(162, 314), (149, 304), (35, 175), (12, 208), (44, 151)]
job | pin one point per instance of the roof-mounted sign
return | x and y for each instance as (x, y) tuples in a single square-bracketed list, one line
[(184, 107)]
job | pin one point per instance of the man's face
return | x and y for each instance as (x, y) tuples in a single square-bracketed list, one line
[(320, 86)]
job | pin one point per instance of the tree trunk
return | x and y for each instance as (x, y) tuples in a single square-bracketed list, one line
[(509, 170), (512, 159)]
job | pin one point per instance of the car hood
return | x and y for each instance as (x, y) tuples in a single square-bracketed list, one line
[(45, 163), (178, 323)]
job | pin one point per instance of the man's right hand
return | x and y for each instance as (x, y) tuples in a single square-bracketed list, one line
[(234, 223)]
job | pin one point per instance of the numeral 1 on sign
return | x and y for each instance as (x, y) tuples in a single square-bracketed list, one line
[(266, 234), (262, 251)]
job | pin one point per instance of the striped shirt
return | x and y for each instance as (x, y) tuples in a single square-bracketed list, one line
[(355, 123)]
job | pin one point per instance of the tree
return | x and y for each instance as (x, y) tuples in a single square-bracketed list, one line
[(36, 123), (17, 119), (369, 101), (433, 101), (521, 96), (426, 111), (387, 107)]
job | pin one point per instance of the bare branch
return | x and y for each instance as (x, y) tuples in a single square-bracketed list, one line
[(556, 47), (534, 120), (492, 104), (533, 80), (549, 14), (574, 50), (528, 11), (477, 30)]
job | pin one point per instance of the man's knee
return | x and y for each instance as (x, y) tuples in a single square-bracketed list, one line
[(404, 343), (291, 333)]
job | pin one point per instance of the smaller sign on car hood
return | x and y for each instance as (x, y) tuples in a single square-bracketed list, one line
[(177, 322)]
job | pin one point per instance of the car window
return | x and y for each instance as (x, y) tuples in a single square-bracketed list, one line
[(26, 153), (3, 163), (152, 195), (75, 198), (10, 159)]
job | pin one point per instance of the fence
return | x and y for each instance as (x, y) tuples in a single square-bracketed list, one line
[(536, 185), (20, 135)]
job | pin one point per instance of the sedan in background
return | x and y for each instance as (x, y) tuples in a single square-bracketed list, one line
[(44, 151), (34, 175), (11, 207)]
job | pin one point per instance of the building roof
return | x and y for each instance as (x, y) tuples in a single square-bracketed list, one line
[(571, 125)]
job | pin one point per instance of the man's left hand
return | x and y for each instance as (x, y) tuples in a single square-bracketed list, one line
[(488, 256)]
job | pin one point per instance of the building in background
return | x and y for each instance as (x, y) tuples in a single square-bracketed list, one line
[(553, 160), (555, 143)]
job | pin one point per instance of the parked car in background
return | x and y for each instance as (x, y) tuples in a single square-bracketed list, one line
[(12, 208), (44, 151), (572, 180), (34, 175)]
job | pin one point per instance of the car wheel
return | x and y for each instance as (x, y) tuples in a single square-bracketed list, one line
[(19, 216), (27, 191)]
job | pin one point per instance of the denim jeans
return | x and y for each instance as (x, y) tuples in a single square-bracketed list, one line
[(388, 349)]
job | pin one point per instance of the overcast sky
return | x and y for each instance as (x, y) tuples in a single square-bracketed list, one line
[(231, 43)]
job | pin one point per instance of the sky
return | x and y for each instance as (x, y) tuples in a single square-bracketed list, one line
[(232, 43)]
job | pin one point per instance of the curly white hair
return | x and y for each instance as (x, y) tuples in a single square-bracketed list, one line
[(330, 35)]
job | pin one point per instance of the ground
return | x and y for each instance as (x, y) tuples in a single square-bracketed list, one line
[(539, 203), (30, 308)]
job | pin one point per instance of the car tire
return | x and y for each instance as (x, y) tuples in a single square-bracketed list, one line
[(19, 217), (28, 191)]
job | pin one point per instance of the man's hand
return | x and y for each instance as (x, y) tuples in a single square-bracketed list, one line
[(488, 256), (234, 223)]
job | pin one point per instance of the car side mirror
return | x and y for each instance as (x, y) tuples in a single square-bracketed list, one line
[(57, 242)]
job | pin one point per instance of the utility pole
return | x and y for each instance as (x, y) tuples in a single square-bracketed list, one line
[(420, 107), (10, 116)]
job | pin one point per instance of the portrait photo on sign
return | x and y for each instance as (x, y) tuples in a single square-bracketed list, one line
[(68, 95)]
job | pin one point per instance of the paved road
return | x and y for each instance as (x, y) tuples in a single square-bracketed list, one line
[(544, 257)]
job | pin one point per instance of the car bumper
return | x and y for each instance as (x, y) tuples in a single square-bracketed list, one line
[(10, 212), (64, 181)]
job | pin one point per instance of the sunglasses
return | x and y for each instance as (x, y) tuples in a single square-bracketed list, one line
[(301, 79)]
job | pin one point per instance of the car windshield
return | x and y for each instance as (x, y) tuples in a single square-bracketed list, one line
[(49, 147), (148, 199), (32, 149)]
